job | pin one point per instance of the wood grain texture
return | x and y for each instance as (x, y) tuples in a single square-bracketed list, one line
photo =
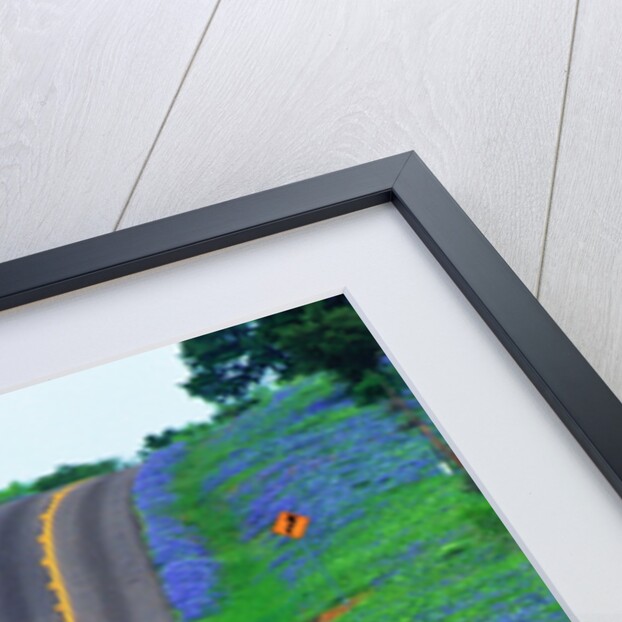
[(84, 87), (582, 275), (278, 93)]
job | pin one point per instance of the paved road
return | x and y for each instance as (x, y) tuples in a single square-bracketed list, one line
[(99, 550), (23, 593)]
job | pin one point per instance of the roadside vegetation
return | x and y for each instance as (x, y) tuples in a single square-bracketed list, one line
[(394, 534), (62, 476)]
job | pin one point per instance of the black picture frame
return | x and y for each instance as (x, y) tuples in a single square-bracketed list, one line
[(572, 388)]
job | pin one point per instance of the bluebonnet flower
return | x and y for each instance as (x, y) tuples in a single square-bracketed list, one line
[(315, 453), (188, 572), (325, 472)]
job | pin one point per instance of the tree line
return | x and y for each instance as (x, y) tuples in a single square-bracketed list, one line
[(327, 336)]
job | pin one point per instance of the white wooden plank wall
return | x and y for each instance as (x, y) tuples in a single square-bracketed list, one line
[(582, 277), (112, 114), (84, 87), (281, 91)]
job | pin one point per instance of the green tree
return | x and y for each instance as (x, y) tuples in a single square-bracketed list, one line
[(325, 336), (15, 490), (152, 442), (226, 365), (69, 473)]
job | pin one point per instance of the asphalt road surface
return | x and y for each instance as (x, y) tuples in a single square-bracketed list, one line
[(23, 592), (101, 557)]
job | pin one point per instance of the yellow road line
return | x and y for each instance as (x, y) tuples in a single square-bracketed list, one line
[(50, 561)]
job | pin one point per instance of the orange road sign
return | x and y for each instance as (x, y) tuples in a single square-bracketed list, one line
[(291, 525)]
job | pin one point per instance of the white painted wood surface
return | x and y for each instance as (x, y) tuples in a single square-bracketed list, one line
[(84, 87), (582, 275), (280, 92)]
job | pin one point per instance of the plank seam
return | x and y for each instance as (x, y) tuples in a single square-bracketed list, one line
[(166, 116), (547, 218)]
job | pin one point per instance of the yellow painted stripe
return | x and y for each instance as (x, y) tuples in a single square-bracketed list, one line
[(50, 561)]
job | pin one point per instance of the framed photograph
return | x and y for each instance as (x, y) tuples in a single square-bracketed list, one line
[(330, 400)]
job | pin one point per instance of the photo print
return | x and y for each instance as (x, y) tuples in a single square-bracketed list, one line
[(275, 471)]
